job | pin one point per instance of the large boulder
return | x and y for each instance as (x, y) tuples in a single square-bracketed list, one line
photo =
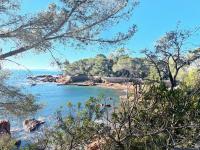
[(64, 79), (4, 127), (32, 124), (96, 79), (5, 132), (79, 78)]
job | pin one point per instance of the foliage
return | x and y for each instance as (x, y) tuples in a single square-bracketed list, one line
[(154, 118), (66, 21), (153, 74), (121, 65), (77, 129), (73, 22), (6, 143), (115, 55), (13, 100), (169, 56), (170, 118), (189, 76), (124, 62), (70, 22), (102, 66)]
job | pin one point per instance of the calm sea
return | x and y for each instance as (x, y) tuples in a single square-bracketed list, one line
[(51, 96)]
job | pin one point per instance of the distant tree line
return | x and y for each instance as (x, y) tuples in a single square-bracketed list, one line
[(157, 66), (117, 64)]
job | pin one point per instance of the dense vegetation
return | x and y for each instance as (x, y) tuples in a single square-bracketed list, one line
[(159, 119), (117, 64), (152, 116)]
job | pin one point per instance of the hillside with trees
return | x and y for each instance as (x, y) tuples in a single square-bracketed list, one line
[(117, 64), (153, 116), (150, 116)]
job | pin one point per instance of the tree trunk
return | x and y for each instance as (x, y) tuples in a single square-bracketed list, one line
[(120, 146)]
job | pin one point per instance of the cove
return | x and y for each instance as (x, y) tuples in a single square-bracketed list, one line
[(52, 97)]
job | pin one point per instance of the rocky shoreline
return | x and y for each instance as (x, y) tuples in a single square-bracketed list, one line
[(29, 125), (118, 83)]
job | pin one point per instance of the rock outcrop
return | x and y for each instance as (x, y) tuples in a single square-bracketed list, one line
[(63, 80), (32, 124), (87, 83), (96, 79), (79, 79), (43, 78), (121, 80), (4, 127), (5, 131)]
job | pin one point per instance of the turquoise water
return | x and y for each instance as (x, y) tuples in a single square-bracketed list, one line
[(52, 96)]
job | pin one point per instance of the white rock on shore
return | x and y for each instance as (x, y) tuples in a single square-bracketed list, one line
[(32, 124)]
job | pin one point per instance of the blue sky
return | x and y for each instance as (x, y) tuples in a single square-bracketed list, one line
[(152, 17)]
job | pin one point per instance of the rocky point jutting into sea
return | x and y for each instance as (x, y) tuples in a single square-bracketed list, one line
[(84, 80), (51, 96)]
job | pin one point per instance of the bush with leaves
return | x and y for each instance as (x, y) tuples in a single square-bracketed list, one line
[(6, 143), (154, 118), (77, 129)]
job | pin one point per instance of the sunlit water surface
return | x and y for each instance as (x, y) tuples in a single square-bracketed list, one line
[(52, 97)]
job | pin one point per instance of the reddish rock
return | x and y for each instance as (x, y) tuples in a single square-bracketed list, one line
[(63, 80), (4, 127)]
